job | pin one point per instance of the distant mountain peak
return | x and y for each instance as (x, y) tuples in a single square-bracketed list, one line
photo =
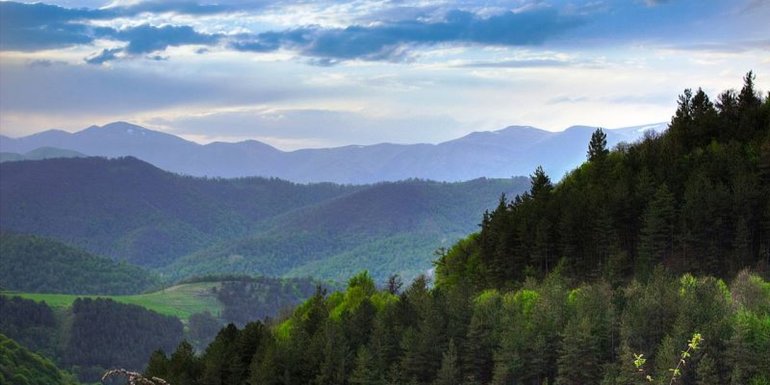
[(514, 150), (121, 127)]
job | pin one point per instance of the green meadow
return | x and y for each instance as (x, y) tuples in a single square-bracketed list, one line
[(180, 301)]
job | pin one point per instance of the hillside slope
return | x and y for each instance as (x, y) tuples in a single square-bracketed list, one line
[(37, 264), (130, 210), (21, 366), (386, 228)]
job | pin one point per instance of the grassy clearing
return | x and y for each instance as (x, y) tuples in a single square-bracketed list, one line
[(179, 301)]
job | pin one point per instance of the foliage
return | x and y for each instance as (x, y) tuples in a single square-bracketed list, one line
[(256, 298), (33, 325), (94, 334), (107, 334), (129, 210), (542, 294), (693, 199), (181, 226), (40, 265), (387, 228), (19, 366), (545, 332)]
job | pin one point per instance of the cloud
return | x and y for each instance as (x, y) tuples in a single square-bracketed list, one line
[(526, 63), (124, 89), (391, 41), (726, 47), (146, 38), (181, 7), (104, 56), (31, 27), (394, 31), (43, 63)]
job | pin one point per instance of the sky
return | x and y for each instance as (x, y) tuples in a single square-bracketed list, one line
[(322, 73)]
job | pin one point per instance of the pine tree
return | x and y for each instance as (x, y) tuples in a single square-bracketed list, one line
[(541, 184), (220, 356), (365, 372), (707, 371), (449, 373), (597, 147), (158, 366), (184, 367), (656, 241), (579, 361)]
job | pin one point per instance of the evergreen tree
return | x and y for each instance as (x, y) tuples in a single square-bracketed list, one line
[(541, 184), (184, 367), (707, 372), (597, 147), (219, 358), (365, 371), (158, 365), (449, 373), (656, 241), (579, 357)]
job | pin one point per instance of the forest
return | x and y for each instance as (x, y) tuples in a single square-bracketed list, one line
[(95, 335), (603, 278), (42, 265)]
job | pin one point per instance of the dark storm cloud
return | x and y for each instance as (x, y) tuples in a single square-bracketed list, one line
[(388, 41)]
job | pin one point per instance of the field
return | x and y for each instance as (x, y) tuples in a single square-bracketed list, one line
[(179, 301)]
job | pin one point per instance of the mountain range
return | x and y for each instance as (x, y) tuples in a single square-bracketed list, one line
[(516, 150), (183, 226)]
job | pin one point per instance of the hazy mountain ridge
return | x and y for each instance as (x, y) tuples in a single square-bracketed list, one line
[(38, 154), (516, 150)]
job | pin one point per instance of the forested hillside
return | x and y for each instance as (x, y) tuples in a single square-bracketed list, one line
[(89, 334), (19, 366), (640, 254), (695, 199), (92, 336), (183, 226), (40, 265), (386, 228), (130, 210)]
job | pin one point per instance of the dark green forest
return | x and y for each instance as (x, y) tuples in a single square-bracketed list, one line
[(93, 336), (694, 199), (41, 265), (627, 258), (255, 298)]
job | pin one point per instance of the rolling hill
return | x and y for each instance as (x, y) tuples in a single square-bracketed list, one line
[(129, 210), (516, 150), (386, 228), (183, 226), (37, 264)]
